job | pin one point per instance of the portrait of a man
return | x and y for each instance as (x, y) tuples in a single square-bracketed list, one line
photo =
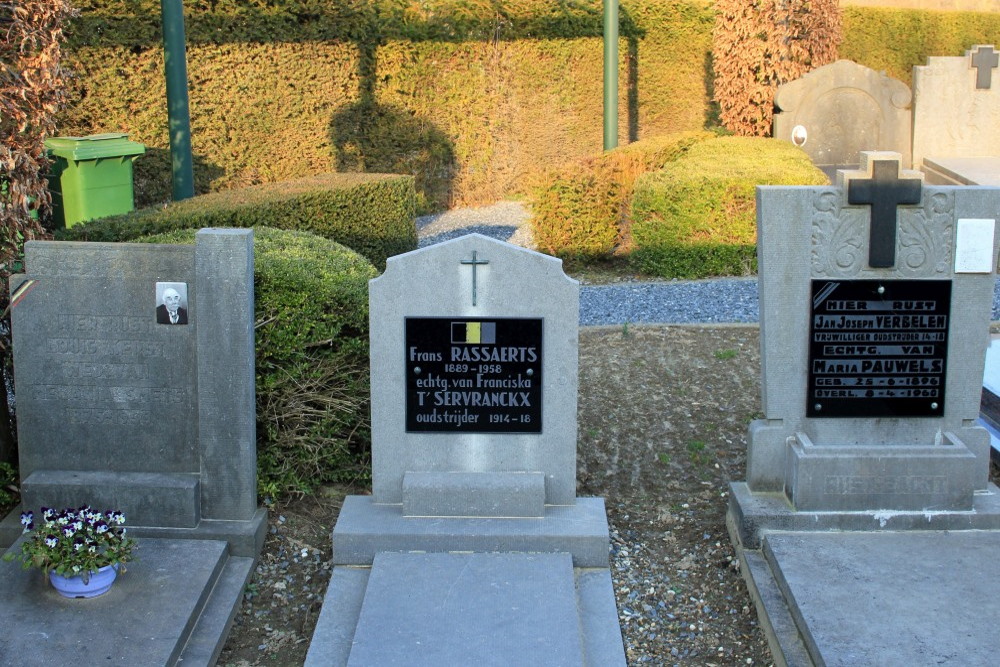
[(172, 303)]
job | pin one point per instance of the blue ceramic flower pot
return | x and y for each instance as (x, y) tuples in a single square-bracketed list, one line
[(73, 587)]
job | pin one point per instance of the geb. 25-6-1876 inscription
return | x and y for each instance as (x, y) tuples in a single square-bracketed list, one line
[(473, 375), (878, 348)]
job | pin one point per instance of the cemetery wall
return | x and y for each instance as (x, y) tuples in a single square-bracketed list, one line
[(471, 98)]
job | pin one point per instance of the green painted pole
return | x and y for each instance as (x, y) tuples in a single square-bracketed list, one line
[(178, 114), (610, 74)]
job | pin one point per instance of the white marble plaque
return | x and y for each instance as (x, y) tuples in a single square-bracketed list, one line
[(974, 245)]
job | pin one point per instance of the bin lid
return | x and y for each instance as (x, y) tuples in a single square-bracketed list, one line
[(93, 147)]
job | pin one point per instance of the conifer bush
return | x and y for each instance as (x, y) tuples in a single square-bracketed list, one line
[(697, 216), (311, 342), (581, 210), (372, 214)]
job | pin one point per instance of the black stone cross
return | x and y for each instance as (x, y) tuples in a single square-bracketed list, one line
[(883, 192), (474, 262), (985, 61)]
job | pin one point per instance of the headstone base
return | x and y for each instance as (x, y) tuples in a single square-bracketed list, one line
[(858, 478), (168, 499), (751, 515), (175, 604), (480, 494), (365, 529), (475, 609), (245, 538)]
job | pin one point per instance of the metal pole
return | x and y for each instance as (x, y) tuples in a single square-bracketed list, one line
[(610, 74), (178, 114)]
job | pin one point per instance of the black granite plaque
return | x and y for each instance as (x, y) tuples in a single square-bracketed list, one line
[(473, 375), (878, 348)]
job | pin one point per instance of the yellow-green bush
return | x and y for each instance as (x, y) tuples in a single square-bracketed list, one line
[(697, 216), (582, 209), (372, 214), (311, 342)]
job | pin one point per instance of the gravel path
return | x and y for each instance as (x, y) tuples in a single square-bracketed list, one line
[(717, 301)]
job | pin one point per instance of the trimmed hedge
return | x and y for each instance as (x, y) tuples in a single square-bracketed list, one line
[(311, 313), (582, 210), (468, 96), (697, 217), (894, 40), (372, 214)]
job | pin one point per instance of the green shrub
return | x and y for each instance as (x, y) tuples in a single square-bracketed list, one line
[(582, 209), (696, 217), (372, 214), (8, 477), (311, 313)]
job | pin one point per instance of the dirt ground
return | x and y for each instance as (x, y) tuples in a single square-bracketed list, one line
[(663, 414)]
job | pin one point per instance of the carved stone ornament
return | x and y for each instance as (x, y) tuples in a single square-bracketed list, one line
[(839, 236)]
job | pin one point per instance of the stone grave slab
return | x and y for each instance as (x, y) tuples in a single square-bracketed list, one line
[(599, 634), (979, 170), (175, 603), (956, 111), (836, 111), (989, 405), (474, 392), (853, 600), (511, 608)]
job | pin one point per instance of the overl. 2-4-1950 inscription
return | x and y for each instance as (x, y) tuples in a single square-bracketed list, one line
[(473, 375)]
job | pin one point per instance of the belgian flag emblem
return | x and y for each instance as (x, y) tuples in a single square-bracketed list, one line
[(474, 333)]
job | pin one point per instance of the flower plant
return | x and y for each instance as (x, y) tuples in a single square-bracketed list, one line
[(75, 542)]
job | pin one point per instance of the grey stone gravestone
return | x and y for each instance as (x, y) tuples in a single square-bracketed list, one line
[(135, 391), (474, 519), (956, 118), (838, 110), (875, 300)]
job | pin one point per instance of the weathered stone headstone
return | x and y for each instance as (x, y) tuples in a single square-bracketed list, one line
[(838, 110), (474, 393), (956, 118), (135, 391), (875, 298)]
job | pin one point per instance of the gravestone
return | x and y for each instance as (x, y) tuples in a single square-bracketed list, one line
[(473, 547), (956, 118), (135, 391), (836, 111), (875, 303)]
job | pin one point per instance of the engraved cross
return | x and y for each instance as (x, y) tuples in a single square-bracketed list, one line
[(474, 262), (884, 192), (985, 61)]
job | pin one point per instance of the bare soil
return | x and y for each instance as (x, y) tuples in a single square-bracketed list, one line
[(663, 414)]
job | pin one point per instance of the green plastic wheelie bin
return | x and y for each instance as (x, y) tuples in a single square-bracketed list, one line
[(91, 176)]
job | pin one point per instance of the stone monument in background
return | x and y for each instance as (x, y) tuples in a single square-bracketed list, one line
[(956, 118), (836, 111)]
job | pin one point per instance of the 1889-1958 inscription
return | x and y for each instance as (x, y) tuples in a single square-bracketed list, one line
[(473, 375), (878, 348)]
